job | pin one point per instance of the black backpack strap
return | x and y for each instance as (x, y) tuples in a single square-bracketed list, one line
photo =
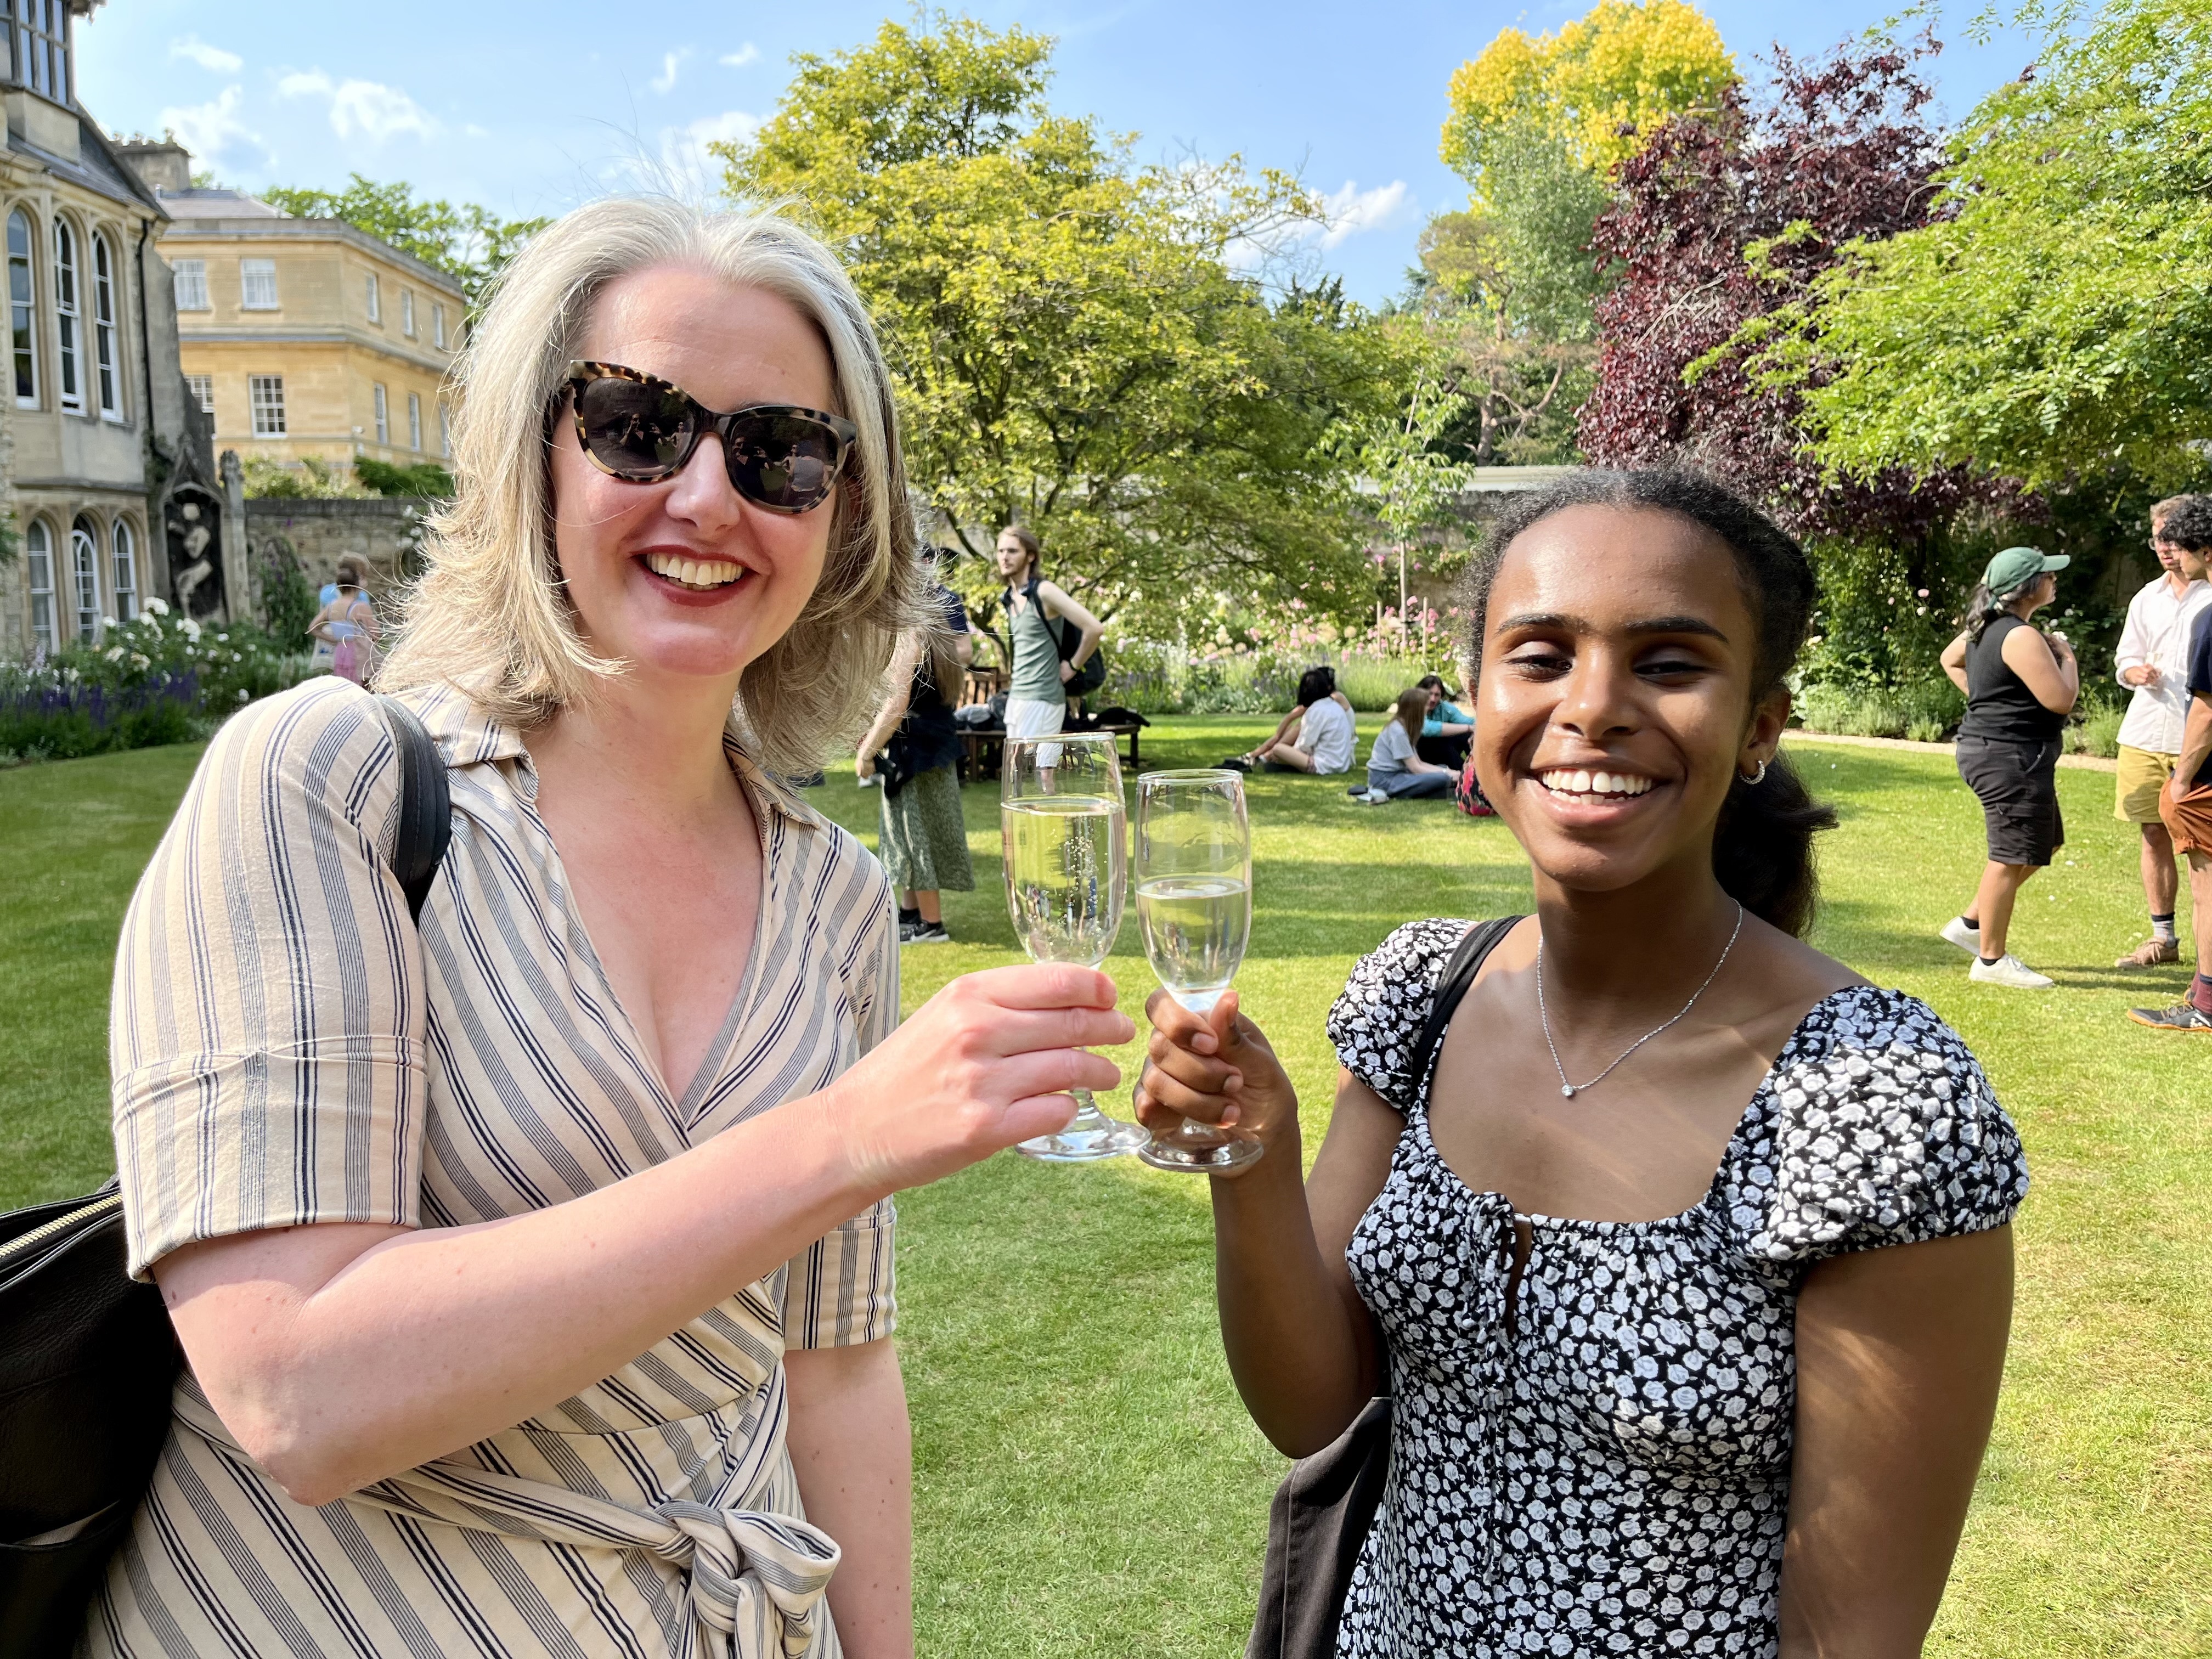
[(1459, 974), (426, 806)]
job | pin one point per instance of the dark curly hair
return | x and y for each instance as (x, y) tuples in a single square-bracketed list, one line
[(1763, 846), (2189, 524)]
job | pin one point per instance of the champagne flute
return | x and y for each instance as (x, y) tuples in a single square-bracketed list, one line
[(1067, 865), (1195, 903)]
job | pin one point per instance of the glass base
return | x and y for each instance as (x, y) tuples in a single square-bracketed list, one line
[(1089, 1136), (1202, 1149)]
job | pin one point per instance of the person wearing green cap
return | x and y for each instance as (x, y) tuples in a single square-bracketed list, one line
[(2021, 684)]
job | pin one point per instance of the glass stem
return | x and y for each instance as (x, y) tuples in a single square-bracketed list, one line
[(1087, 1114)]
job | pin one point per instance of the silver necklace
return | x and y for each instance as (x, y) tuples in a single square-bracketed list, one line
[(1571, 1089)]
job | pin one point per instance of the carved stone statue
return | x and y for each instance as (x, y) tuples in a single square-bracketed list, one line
[(192, 521)]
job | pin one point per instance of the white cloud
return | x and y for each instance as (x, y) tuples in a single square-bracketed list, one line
[(748, 53), (664, 82), (368, 107), (690, 170), (207, 56), (213, 128), (1352, 210)]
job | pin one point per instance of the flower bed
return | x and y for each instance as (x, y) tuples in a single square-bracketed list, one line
[(157, 678)]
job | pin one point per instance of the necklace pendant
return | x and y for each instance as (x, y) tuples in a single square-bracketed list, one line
[(1568, 1090)]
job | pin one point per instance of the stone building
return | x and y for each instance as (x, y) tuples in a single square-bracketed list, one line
[(303, 336), (93, 427)]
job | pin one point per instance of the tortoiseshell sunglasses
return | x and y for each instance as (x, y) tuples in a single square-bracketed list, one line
[(641, 428)]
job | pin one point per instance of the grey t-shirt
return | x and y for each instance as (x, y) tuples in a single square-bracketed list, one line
[(1392, 749)]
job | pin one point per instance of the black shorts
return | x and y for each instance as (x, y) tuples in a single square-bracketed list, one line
[(1445, 751), (2018, 785)]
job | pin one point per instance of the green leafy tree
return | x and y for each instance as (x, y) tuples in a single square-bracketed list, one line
[(424, 478), (468, 243), (2054, 321), (1537, 124), (1411, 473), (270, 478), (1079, 341), (1518, 385)]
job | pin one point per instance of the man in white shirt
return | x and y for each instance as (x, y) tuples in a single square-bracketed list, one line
[(2153, 661)]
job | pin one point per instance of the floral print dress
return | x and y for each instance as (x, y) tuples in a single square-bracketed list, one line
[(1596, 1460)]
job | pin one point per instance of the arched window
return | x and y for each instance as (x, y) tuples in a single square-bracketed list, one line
[(103, 327), (23, 310), (124, 546), (39, 554), (72, 395), (85, 573)]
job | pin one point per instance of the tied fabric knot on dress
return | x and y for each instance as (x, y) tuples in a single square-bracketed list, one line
[(754, 1582), (1543, 1014)]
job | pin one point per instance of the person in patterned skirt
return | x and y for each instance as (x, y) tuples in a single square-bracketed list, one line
[(1687, 1266), (535, 1264)]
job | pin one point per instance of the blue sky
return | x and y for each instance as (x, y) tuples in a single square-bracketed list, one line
[(533, 108)]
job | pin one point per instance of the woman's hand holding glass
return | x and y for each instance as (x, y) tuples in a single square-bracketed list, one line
[(1216, 1067), (985, 1064)]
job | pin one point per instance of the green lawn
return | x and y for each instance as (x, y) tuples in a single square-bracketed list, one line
[(1086, 1480)]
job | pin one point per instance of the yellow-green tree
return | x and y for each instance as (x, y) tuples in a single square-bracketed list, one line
[(1596, 85), (1509, 286)]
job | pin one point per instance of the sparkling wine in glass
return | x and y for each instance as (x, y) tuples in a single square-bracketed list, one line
[(1195, 904), (1066, 864)]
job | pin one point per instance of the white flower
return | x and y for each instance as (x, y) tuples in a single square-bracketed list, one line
[(138, 659), (157, 607), (115, 653), (222, 639), (191, 629)]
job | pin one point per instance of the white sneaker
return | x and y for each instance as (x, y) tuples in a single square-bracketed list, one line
[(872, 782), (1968, 939), (2008, 969), (1377, 797)]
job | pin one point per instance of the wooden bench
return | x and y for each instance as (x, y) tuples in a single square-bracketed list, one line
[(983, 751)]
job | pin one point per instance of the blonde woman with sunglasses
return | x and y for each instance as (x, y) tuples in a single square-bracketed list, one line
[(535, 1265)]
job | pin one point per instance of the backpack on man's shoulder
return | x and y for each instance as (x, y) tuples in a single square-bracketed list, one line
[(1087, 678)]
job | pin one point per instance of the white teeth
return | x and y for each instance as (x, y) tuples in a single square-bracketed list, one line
[(704, 573), (1577, 781)]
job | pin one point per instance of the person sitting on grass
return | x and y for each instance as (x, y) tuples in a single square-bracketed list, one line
[(1323, 722), (1395, 770), (1447, 729)]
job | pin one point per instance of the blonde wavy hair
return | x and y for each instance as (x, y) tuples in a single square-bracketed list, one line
[(490, 614)]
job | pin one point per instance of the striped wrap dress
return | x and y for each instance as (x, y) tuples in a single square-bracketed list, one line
[(286, 1050)]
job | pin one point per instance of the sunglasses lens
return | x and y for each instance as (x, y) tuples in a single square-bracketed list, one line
[(785, 462), (633, 428)]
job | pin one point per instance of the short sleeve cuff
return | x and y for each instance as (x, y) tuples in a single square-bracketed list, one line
[(1385, 1004), (842, 1289), (212, 1145)]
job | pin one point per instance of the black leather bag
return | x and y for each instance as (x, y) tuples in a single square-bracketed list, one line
[(1326, 1507), (88, 1356)]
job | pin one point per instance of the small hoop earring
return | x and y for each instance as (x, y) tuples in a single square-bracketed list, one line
[(1756, 778)]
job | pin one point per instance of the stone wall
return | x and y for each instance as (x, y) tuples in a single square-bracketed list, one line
[(383, 530)]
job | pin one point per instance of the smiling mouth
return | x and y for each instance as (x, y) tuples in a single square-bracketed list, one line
[(698, 575), (1575, 784)]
